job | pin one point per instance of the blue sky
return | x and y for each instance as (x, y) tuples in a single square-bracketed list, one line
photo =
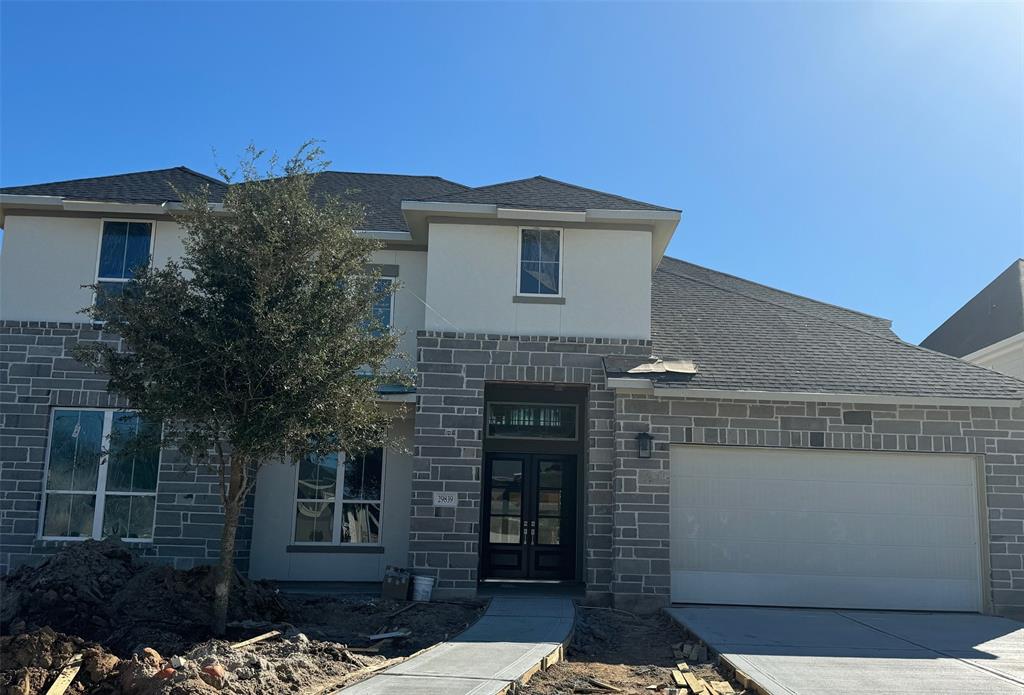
[(869, 155)]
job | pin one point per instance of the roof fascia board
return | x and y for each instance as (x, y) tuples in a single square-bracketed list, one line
[(33, 200), (649, 215), (463, 208), (997, 349), (648, 387), (894, 399), (542, 215), (384, 234)]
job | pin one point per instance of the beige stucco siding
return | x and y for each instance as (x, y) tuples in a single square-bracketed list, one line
[(408, 309), (1006, 356), (46, 261), (472, 273)]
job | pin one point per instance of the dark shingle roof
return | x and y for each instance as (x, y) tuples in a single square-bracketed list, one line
[(381, 195), (543, 193), (995, 313), (153, 187), (746, 338)]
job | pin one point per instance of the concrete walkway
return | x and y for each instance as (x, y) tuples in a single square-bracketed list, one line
[(514, 639), (793, 651)]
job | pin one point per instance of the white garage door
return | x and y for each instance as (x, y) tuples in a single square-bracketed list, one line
[(789, 527)]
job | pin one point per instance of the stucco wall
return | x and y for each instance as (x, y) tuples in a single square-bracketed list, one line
[(1006, 356), (472, 273), (409, 309), (274, 516), (641, 568), (46, 260)]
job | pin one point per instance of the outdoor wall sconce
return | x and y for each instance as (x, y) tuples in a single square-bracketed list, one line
[(644, 444)]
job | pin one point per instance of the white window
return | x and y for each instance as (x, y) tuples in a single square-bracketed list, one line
[(101, 475), (345, 508), (125, 246), (540, 261)]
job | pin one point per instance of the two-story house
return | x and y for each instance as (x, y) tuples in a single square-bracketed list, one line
[(586, 411)]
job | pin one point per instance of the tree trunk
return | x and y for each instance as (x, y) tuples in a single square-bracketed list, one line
[(233, 499)]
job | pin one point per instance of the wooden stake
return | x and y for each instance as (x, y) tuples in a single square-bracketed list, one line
[(66, 675), (257, 638)]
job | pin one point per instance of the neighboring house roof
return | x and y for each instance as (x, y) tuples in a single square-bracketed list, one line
[(994, 314), (543, 193), (153, 187), (747, 337)]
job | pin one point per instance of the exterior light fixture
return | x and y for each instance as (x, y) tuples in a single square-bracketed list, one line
[(644, 444)]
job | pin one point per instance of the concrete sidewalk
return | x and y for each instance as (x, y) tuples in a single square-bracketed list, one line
[(512, 640), (795, 651)]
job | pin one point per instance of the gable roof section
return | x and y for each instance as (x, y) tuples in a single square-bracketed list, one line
[(994, 314), (152, 187), (746, 339), (542, 193)]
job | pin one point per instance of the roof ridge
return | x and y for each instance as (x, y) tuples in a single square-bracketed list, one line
[(891, 339), (200, 174), (594, 190), (108, 176), (475, 188), (413, 176), (786, 292)]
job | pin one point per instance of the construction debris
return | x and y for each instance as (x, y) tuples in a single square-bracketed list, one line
[(390, 635), (29, 662)]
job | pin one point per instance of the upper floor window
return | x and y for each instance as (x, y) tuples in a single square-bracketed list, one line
[(124, 247), (540, 261), (384, 307), (101, 475), (338, 498)]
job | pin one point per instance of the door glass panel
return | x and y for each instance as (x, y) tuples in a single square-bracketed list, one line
[(551, 474), (549, 531), (504, 529), (531, 421), (505, 501), (549, 503), (507, 473)]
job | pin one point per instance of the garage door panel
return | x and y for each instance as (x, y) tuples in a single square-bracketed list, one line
[(821, 527), (824, 528), (825, 559), (821, 496)]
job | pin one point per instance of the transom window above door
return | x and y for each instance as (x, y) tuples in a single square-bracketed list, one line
[(531, 421), (125, 247), (540, 261)]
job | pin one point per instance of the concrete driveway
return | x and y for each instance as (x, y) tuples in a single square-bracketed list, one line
[(793, 651)]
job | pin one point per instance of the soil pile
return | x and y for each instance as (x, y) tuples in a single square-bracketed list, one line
[(31, 661), (100, 591)]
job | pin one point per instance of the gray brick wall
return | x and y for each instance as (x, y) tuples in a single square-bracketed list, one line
[(641, 564), (452, 371), (38, 374)]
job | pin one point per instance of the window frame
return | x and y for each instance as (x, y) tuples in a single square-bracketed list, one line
[(337, 523), (101, 479), (519, 260), (99, 249)]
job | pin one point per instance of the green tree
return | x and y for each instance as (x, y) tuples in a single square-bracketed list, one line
[(259, 344)]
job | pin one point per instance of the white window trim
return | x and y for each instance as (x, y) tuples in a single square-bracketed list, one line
[(339, 500), (519, 260), (101, 480), (99, 248)]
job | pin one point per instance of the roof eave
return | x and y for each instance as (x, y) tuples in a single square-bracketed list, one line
[(663, 222), (17, 201), (648, 387)]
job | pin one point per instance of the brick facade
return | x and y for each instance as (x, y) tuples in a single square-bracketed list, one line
[(37, 374), (452, 371), (641, 543)]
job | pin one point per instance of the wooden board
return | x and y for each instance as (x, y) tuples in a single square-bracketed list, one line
[(66, 675)]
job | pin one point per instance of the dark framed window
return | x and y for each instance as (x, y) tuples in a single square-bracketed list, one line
[(125, 246), (531, 420)]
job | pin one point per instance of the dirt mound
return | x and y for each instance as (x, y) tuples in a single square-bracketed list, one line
[(30, 661), (101, 591)]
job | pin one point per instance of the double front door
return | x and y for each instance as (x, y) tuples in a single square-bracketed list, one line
[(529, 515)]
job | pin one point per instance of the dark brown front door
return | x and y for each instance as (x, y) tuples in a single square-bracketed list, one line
[(529, 514)]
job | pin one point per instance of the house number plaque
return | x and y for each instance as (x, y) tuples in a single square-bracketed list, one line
[(446, 499)]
